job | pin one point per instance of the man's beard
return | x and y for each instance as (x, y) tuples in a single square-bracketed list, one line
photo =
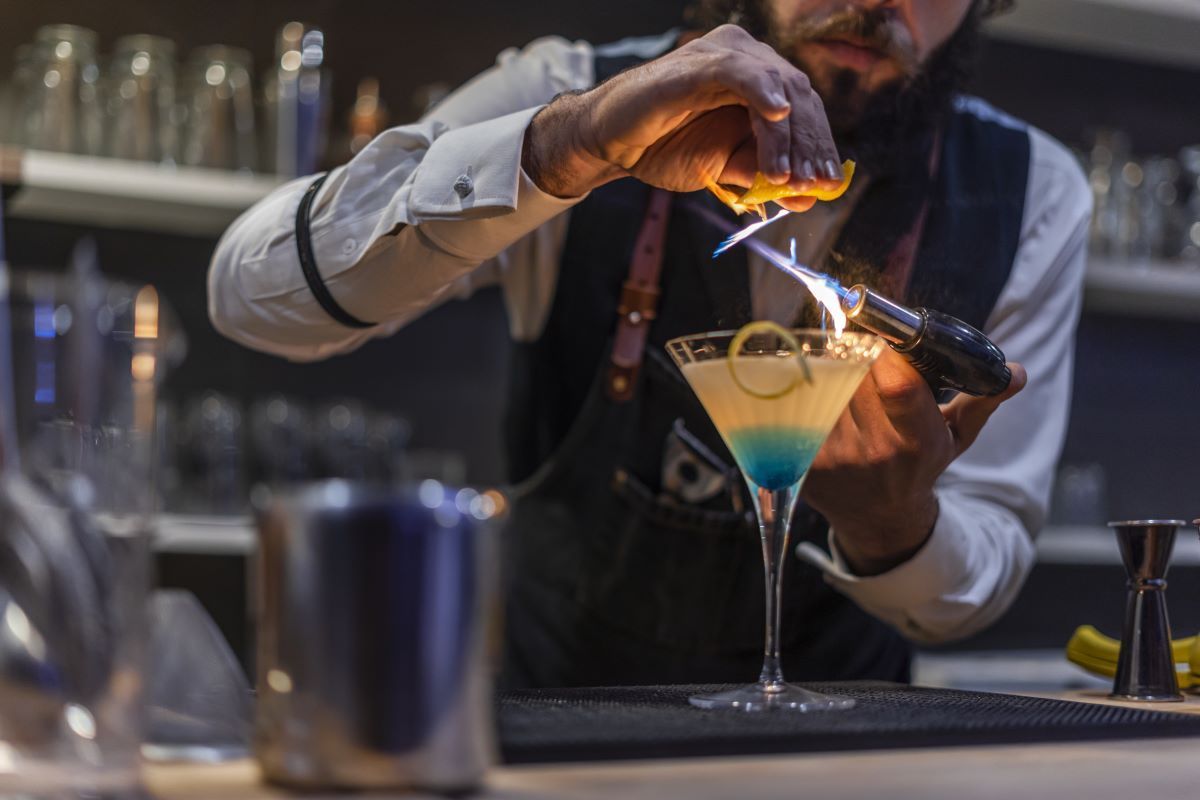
[(883, 130)]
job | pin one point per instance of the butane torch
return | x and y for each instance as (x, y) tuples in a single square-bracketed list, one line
[(948, 352)]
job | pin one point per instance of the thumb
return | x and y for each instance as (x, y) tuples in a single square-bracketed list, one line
[(797, 204), (966, 415)]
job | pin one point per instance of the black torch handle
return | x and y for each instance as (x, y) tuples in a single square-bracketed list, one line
[(950, 354)]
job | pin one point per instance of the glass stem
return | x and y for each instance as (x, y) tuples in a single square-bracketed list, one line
[(774, 508)]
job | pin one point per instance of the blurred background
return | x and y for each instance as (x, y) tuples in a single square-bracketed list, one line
[(150, 125)]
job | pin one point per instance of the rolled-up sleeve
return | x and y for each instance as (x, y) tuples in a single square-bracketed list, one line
[(420, 215)]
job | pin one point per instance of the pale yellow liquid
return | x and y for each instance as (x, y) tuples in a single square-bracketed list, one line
[(774, 439), (815, 406)]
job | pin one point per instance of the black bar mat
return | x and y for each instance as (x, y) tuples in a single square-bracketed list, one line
[(657, 722)]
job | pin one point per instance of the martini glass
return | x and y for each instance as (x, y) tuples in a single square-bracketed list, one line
[(774, 396)]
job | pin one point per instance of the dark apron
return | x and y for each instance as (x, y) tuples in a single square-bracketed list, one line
[(613, 580)]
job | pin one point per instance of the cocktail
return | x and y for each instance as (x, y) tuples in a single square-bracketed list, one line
[(774, 396)]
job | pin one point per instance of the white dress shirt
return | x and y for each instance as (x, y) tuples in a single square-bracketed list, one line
[(393, 239)]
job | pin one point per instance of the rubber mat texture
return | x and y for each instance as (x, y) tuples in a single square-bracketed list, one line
[(548, 725)]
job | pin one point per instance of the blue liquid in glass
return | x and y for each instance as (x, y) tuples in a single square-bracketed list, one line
[(775, 456)]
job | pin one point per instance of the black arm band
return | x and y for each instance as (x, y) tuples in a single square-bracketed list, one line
[(308, 262)]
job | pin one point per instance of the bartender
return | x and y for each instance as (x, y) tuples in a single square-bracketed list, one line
[(633, 557)]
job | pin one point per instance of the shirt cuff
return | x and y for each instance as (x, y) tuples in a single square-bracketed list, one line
[(901, 595), (470, 196)]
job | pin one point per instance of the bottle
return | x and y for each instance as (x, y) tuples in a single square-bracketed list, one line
[(297, 100), (368, 117)]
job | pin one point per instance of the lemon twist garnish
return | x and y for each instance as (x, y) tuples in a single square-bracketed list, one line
[(787, 337)]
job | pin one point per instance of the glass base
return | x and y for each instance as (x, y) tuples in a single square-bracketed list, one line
[(771, 696)]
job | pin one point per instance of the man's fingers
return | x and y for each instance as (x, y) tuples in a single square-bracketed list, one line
[(966, 415), (774, 147), (904, 395), (841, 445), (797, 204), (870, 416), (740, 168), (829, 163), (762, 89)]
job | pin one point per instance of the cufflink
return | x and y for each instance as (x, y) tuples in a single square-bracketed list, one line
[(463, 186)]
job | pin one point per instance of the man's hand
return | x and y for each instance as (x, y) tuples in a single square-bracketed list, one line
[(873, 479), (722, 106)]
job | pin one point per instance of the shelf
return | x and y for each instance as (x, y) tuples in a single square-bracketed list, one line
[(112, 193), (134, 195), (1162, 290), (195, 534), (1057, 544), (1156, 31), (1094, 544)]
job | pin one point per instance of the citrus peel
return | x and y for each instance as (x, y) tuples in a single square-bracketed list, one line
[(762, 191), (788, 339)]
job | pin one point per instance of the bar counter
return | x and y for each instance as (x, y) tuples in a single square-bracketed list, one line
[(1116, 769)]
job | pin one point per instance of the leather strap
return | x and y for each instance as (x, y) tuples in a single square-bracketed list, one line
[(639, 298), (308, 262)]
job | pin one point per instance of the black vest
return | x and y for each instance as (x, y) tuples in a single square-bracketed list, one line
[(611, 579)]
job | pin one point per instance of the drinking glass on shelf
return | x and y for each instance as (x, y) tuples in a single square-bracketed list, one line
[(141, 107), (341, 440), (1160, 213), (296, 101), (280, 434), (62, 110), (211, 456), (1189, 240), (1080, 496), (12, 106), (387, 441), (220, 113), (1108, 153), (1129, 240)]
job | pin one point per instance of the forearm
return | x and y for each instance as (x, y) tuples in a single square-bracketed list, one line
[(556, 156), (876, 540), (391, 235), (962, 578)]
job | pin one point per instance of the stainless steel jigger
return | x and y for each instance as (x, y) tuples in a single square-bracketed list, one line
[(1146, 668)]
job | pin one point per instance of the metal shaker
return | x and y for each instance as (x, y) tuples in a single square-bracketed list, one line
[(376, 618)]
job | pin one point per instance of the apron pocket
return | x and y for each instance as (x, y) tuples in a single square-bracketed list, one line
[(672, 574)]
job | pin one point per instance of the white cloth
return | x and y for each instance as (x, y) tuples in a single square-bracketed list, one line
[(393, 239)]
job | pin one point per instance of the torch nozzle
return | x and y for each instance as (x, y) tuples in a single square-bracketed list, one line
[(896, 323)]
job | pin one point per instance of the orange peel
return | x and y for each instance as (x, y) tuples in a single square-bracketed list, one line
[(730, 198), (763, 191)]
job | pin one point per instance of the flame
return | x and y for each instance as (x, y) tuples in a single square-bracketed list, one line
[(750, 230), (824, 291)]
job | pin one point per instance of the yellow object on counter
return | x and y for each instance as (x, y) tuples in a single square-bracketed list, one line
[(1097, 653)]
